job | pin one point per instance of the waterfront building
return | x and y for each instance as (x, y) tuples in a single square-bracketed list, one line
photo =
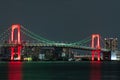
[(112, 44)]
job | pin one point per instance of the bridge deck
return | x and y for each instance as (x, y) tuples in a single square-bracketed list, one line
[(55, 45)]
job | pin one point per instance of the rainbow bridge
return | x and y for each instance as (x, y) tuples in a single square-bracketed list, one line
[(16, 37)]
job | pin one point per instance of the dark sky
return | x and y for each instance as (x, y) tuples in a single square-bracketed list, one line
[(63, 20)]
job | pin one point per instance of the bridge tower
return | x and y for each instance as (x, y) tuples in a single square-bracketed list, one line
[(16, 50), (96, 44)]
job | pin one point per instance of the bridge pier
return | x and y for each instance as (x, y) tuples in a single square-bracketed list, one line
[(16, 53), (96, 44), (17, 42), (96, 53)]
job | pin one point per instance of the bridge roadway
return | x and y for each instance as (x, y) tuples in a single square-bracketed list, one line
[(65, 45)]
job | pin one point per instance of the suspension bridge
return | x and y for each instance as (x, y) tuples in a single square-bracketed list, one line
[(16, 37)]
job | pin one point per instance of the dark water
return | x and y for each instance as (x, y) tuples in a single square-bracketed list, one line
[(60, 70)]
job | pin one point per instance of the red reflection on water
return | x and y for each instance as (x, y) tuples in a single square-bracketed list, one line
[(95, 73), (15, 71)]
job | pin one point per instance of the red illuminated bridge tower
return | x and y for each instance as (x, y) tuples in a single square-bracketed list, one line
[(15, 39), (96, 44)]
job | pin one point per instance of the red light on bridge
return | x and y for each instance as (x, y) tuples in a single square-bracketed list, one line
[(97, 45), (16, 26), (15, 71), (95, 71)]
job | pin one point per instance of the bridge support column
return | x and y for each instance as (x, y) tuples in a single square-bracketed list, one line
[(96, 44), (16, 50)]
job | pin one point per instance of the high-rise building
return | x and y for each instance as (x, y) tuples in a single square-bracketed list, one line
[(112, 44)]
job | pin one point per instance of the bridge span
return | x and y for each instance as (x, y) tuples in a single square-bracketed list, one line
[(9, 39)]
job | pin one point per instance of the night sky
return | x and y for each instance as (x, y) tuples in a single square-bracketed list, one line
[(63, 20)]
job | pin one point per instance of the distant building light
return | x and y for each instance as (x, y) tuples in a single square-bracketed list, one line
[(113, 56)]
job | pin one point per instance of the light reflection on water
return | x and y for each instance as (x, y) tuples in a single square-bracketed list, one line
[(15, 71), (95, 70), (60, 70)]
